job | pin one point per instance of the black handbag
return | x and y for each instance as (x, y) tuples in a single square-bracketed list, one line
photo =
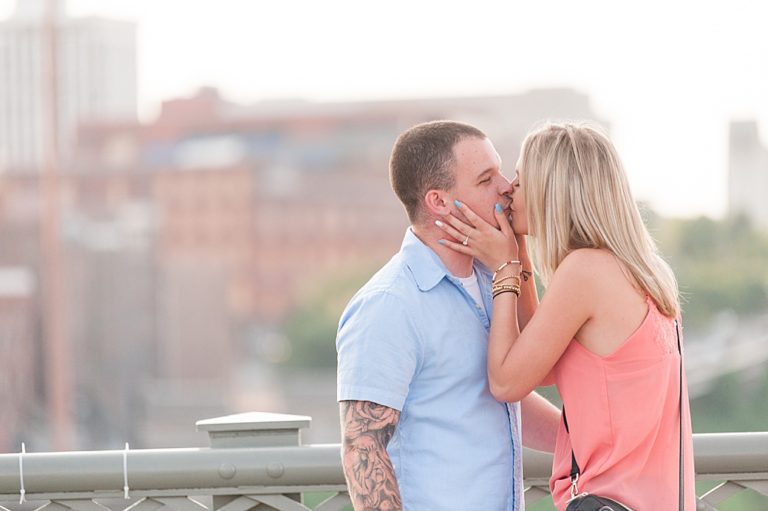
[(594, 503), (588, 502)]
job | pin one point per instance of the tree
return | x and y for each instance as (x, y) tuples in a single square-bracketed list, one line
[(311, 329), (719, 265)]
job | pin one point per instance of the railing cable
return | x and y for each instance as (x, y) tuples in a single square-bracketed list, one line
[(125, 471), (22, 491)]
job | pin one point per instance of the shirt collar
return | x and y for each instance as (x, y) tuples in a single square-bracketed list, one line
[(425, 265)]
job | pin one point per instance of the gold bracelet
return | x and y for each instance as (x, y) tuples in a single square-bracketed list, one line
[(499, 286), (504, 266), (508, 277), (516, 293), (505, 288)]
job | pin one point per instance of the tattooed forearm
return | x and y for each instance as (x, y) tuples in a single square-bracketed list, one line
[(366, 429)]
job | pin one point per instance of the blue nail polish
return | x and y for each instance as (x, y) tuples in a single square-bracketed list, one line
[(498, 208), (442, 242), (458, 204)]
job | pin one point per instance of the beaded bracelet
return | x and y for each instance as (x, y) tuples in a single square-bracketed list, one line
[(503, 288)]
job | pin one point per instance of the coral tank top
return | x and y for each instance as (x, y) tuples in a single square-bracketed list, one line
[(623, 412)]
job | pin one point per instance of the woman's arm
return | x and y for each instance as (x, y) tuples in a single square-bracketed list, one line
[(540, 422), (518, 362), (529, 296)]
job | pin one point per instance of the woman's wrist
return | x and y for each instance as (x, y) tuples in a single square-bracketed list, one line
[(508, 267), (526, 266)]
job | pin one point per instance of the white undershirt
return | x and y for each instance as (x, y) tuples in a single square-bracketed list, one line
[(473, 288)]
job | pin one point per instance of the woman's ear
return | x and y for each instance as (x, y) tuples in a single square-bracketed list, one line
[(437, 202)]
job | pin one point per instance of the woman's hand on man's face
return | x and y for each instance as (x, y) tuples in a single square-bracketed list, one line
[(490, 245)]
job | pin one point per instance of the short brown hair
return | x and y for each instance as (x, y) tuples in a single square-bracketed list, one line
[(422, 160)]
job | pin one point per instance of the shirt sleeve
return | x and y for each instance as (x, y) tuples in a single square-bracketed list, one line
[(378, 351)]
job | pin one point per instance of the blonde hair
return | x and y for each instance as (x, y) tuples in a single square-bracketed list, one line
[(577, 196)]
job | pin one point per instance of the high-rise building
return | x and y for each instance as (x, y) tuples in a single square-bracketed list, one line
[(748, 174), (95, 76)]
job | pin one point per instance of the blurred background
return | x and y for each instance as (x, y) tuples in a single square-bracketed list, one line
[(190, 192)]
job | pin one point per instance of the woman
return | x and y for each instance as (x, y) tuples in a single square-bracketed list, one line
[(605, 331)]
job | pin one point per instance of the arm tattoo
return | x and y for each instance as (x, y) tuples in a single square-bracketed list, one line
[(367, 429)]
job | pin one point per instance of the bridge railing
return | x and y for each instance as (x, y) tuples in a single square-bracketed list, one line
[(257, 462)]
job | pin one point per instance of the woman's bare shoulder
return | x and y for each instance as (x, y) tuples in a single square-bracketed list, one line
[(587, 262), (597, 270), (588, 255)]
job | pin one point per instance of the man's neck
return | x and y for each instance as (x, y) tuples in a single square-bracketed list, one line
[(457, 264)]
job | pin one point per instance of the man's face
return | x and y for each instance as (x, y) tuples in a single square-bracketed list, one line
[(479, 182)]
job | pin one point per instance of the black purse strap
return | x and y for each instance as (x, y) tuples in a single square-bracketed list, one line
[(575, 471), (681, 483)]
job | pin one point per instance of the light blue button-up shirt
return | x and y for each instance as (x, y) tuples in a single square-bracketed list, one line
[(414, 340)]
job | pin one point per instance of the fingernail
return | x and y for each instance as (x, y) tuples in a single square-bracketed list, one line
[(498, 208), (438, 223), (458, 204), (442, 242)]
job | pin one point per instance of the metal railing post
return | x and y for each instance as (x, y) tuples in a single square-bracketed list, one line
[(253, 429)]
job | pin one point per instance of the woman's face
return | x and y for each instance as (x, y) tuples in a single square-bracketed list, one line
[(517, 206)]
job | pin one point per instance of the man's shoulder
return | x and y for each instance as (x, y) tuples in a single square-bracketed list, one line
[(394, 278), (390, 293)]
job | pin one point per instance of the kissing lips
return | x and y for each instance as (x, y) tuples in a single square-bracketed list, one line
[(509, 210)]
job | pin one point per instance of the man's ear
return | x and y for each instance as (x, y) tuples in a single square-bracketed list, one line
[(437, 202)]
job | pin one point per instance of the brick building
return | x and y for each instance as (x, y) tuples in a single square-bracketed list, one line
[(191, 236)]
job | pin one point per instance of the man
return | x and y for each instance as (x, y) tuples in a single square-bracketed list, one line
[(421, 430)]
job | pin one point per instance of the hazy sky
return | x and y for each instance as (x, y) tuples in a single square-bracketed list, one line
[(668, 75)]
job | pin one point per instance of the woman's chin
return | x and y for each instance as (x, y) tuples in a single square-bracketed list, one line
[(520, 229)]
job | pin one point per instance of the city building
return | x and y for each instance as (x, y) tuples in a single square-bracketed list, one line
[(748, 174), (190, 241), (95, 71), (259, 205)]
